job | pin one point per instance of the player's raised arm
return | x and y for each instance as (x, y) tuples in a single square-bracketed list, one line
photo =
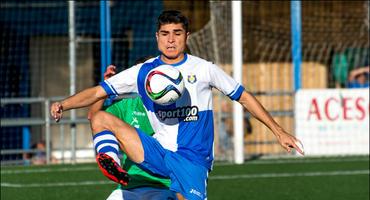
[(79, 100), (258, 111)]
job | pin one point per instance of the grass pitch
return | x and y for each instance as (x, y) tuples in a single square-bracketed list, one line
[(339, 178)]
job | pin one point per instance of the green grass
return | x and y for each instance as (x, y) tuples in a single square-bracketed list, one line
[(340, 178)]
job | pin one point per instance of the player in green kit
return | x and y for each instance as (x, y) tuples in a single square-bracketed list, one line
[(142, 185)]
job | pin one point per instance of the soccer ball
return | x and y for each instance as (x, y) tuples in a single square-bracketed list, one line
[(164, 84)]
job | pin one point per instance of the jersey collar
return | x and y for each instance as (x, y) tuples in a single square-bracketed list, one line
[(175, 64)]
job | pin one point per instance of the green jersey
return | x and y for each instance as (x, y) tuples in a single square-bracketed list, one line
[(132, 111)]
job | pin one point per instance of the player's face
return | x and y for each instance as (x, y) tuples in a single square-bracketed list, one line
[(171, 39)]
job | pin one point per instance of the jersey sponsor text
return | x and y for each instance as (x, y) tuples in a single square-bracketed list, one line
[(189, 113)]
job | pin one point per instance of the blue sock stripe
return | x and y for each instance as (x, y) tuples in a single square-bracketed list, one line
[(105, 132), (108, 149), (106, 142)]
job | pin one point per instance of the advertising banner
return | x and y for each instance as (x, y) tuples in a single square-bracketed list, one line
[(333, 121)]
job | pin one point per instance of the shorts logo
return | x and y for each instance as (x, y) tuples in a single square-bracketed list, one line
[(193, 191), (186, 113), (192, 78)]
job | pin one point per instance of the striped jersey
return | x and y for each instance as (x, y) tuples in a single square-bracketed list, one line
[(186, 126)]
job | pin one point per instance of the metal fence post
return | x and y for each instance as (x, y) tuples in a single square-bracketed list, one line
[(61, 132), (72, 67), (47, 130)]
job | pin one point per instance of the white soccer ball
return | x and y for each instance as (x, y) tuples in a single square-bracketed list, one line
[(164, 84)]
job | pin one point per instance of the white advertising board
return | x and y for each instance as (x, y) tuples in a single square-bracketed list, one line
[(333, 121)]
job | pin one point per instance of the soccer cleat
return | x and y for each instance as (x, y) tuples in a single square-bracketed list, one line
[(111, 169)]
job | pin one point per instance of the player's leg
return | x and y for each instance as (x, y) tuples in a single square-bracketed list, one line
[(116, 195), (120, 194), (143, 193), (148, 193), (110, 134), (128, 139)]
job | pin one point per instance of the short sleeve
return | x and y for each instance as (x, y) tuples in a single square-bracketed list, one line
[(122, 83), (225, 83)]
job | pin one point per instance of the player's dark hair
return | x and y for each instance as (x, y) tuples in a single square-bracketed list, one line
[(172, 17)]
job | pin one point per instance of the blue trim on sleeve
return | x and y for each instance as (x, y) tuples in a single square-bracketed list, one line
[(115, 91), (235, 95), (111, 92)]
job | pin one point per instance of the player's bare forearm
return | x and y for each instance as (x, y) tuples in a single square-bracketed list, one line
[(259, 112), (79, 100), (286, 140), (84, 98)]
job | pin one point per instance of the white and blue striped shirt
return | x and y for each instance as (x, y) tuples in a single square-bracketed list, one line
[(186, 126)]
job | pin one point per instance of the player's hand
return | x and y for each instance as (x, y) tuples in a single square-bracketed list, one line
[(56, 111), (289, 142), (109, 72)]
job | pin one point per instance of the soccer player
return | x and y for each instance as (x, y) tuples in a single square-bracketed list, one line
[(142, 185), (182, 145)]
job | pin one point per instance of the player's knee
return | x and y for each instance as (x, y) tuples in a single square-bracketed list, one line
[(99, 121)]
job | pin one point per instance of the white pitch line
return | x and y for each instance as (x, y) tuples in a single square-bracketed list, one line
[(217, 177), (279, 175), (253, 162), (297, 161), (61, 184), (47, 170)]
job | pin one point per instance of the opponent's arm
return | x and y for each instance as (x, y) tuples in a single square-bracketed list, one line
[(79, 100), (286, 140), (109, 72)]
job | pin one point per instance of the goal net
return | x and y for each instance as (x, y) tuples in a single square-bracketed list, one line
[(334, 41), (35, 58)]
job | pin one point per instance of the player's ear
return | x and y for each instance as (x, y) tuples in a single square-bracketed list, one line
[(187, 36)]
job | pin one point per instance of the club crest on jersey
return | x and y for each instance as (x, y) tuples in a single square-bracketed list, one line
[(192, 78)]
